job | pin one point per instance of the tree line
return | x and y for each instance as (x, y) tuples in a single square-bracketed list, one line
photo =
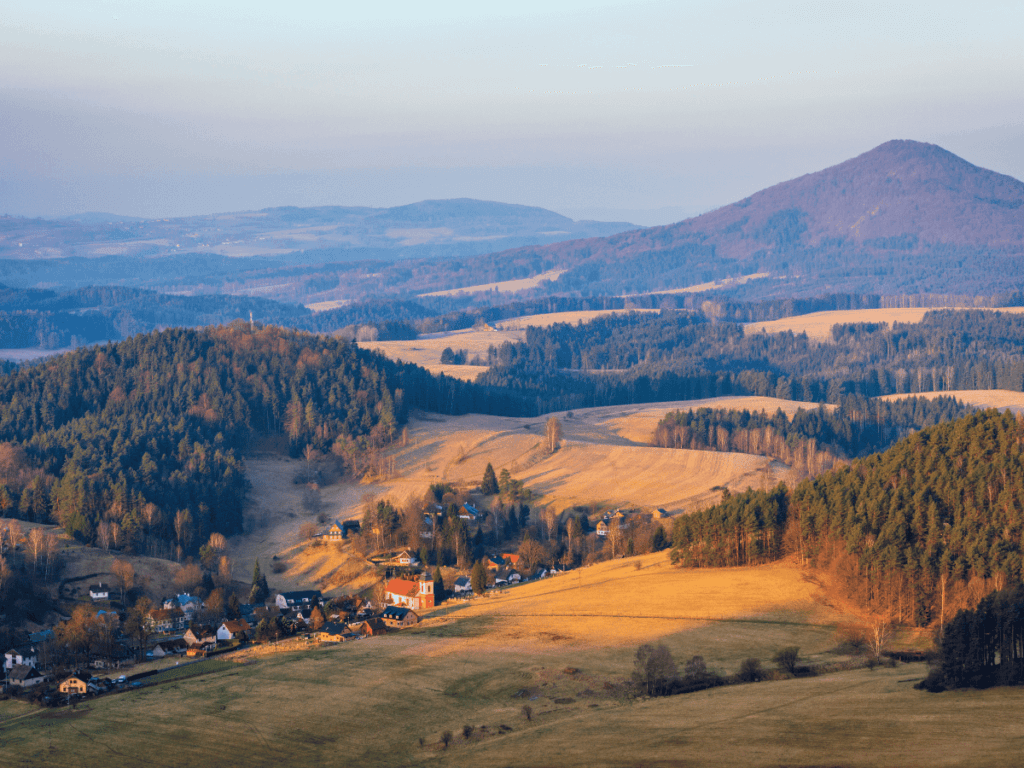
[(812, 440), (647, 357), (915, 533)]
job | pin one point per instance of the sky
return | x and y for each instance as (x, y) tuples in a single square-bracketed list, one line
[(638, 111)]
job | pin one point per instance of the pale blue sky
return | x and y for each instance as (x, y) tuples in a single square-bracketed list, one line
[(638, 110)]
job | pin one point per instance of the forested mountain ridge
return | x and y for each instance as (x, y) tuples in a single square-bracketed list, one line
[(917, 532), (465, 225), (142, 440), (649, 357), (905, 217)]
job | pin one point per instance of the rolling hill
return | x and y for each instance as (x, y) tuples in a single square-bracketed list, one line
[(905, 217), (204, 250)]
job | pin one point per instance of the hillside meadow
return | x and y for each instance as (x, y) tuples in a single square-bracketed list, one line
[(563, 645), (818, 325), (605, 459), (557, 647)]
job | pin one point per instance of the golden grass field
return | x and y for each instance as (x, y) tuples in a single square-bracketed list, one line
[(550, 318), (557, 643), (504, 286), (818, 325), (715, 284), (1003, 399), (426, 350), (604, 460)]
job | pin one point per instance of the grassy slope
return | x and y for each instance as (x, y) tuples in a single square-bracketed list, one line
[(818, 325), (370, 702)]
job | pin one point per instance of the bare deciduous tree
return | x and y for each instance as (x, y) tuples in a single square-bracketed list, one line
[(36, 545), (103, 534), (223, 577), (124, 574), (553, 432), (654, 668), (380, 594), (189, 577), (183, 528), (879, 635)]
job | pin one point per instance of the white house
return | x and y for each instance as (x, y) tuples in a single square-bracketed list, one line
[(233, 630), (301, 598), (99, 591), (26, 655)]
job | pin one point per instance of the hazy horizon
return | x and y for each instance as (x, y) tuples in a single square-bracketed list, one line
[(646, 112)]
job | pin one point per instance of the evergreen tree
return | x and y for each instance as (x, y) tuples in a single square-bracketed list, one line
[(260, 589), (439, 589), (489, 486), (478, 578)]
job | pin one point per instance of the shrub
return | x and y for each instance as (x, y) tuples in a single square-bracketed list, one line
[(750, 671), (786, 659)]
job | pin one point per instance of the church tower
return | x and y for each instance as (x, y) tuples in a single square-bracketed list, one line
[(426, 591)]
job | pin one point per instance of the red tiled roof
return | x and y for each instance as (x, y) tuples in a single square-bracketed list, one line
[(403, 587)]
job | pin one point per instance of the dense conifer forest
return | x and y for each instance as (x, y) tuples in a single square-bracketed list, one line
[(927, 527), (813, 439), (141, 441), (681, 356)]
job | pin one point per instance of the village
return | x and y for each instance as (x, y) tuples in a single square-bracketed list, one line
[(106, 646)]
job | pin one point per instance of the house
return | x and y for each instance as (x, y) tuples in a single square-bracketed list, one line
[(299, 599), (403, 559), (508, 576), (396, 616), (163, 620), (540, 573), (158, 652), (200, 636), (494, 563), (462, 586), (189, 605), (234, 629), (27, 655), (74, 685), (99, 591), (46, 634), (469, 512), (331, 632), (511, 559), (602, 528), (417, 595), (25, 676), (335, 532), (372, 627)]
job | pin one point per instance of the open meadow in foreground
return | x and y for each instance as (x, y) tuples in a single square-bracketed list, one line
[(563, 647)]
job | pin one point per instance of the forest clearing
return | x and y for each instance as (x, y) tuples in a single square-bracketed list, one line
[(503, 286), (605, 460), (818, 325), (1002, 399)]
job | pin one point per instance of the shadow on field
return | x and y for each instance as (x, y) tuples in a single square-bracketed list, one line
[(475, 626)]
